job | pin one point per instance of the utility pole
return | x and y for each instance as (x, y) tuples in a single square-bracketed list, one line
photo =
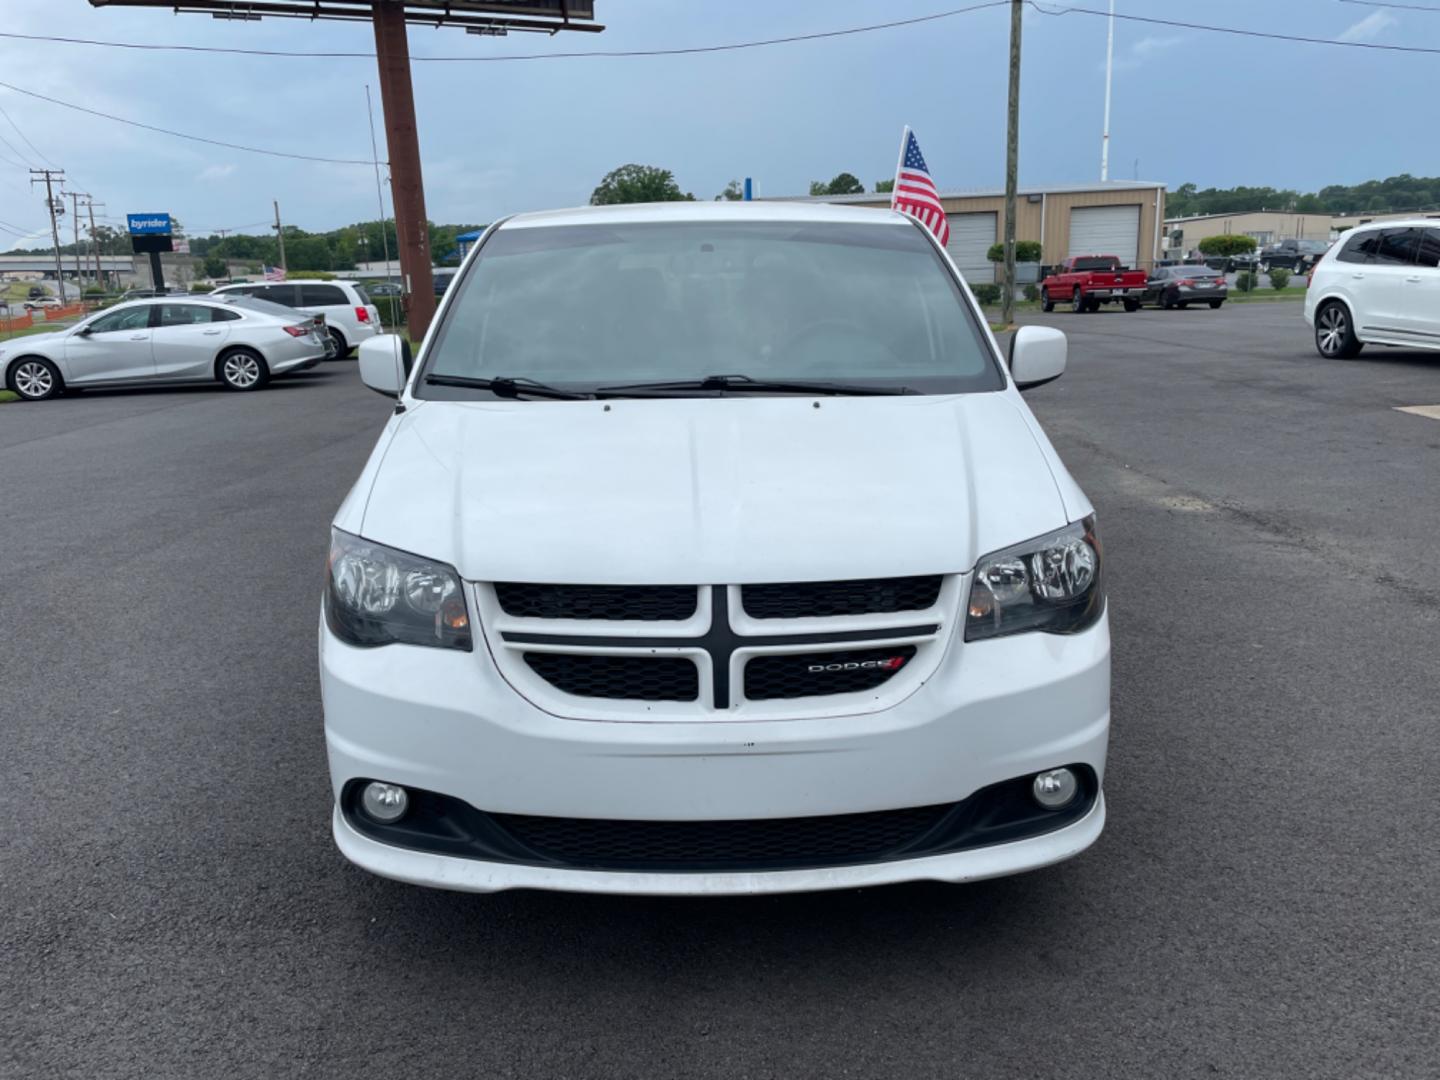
[(379, 195), (1109, 70), (90, 205), (1012, 163), (407, 190), (50, 176), (75, 197), (280, 236), (224, 233)]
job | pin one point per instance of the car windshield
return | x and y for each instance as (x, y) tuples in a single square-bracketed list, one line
[(583, 306)]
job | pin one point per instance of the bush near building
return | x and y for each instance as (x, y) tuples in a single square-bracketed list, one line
[(1279, 278)]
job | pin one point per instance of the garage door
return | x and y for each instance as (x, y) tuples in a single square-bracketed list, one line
[(970, 238), (1106, 230)]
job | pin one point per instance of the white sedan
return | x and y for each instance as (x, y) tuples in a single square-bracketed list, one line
[(238, 342)]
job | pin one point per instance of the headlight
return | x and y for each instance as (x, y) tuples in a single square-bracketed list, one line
[(1051, 584), (375, 595)]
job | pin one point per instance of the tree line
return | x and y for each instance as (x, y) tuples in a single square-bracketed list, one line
[(648, 183), (1403, 192)]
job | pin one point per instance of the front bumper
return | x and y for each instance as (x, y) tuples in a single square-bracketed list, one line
[(446, 721)]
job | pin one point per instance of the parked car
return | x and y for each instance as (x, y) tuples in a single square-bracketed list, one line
[(40, 302), (750, 533), (1295, 255), (350, 317), (443, 278), (1379, 285), (242, 345), (146, 294), (1180, 286), (1087, 281), (377, 289)]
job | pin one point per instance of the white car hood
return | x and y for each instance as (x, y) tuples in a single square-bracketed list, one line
[(708, 491), (33, 342)]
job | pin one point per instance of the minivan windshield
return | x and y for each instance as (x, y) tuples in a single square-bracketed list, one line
[(581, 307)]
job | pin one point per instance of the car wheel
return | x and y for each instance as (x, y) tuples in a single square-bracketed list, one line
[(342, 347), (242, 369), (34, 378), (1046, 303), (1215, 304), (1132, 305), (1167, 301), (1077, 302), (1265, 268), (1334, 335)]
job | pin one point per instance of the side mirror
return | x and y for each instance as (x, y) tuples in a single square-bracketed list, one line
[(85, 331), (1037, 356), (385, 364)]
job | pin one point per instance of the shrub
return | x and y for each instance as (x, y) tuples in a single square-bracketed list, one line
[(94, 290), (392, 313), (988, 294), (201, 289), (1026, 251), (1279, 278), (1227, 244), (1032, 293), (1245, 281)]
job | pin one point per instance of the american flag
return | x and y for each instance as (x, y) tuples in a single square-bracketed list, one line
[(274, 273), (915, 193)]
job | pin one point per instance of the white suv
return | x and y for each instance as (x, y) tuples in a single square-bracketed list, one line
[(1379, 285), (349, 314), (710, 548)]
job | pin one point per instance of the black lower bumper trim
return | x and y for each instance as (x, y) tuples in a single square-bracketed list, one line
[(998, 814)]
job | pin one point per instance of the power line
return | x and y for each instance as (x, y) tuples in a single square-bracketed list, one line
[(25, 139), (1400, 7), (1236, 31), (181, 134), (686, 51)]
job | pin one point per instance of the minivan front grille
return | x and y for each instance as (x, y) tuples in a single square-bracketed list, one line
[(866, 596), (796, 675), (637, 678), (661, 845), (615, 603)]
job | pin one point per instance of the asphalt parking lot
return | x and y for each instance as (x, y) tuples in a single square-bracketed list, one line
[(1265, 901)]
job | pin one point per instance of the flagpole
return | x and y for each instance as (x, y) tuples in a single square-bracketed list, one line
[(899, 163)]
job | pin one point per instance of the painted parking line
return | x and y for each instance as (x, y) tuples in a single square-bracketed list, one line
[(1430, 412)]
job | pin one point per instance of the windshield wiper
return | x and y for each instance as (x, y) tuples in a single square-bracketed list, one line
[(505, 387), (745, 384)]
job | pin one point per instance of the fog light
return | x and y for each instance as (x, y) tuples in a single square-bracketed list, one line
[(387, 803), (1052, 789)]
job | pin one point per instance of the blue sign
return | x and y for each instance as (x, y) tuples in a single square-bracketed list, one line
[(148, 224)]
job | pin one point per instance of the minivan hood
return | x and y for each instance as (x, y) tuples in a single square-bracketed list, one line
[(712, 490)]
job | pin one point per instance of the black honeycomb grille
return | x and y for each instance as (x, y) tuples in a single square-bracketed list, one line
[(646, 603), (871, 596), (699, 845), (799, 675), (634, 678)]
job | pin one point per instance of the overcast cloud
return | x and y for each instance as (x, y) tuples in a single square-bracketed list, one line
[(503, 137)]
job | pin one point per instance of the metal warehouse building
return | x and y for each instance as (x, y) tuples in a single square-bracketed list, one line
[(1121, 217)]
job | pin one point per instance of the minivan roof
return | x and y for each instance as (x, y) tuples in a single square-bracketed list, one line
[(634, 213)]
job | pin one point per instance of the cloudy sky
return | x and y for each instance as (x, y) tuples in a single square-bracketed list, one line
[(1189, 105)]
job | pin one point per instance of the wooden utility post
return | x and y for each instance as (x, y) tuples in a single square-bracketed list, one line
[(407, 188), (280, 236), (49, 176), (90, 205), (75, 197), (1012, 164)]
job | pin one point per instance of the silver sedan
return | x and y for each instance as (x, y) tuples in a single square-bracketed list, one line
[(239, 342)]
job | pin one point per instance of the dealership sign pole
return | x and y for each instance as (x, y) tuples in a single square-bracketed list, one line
[(150, 234)]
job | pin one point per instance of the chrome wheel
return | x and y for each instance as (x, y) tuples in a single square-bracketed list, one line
[(34, 380), (1332, 330), (242, 371)]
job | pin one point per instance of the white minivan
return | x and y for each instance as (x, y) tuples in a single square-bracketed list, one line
[(349, 315), (710, 548)]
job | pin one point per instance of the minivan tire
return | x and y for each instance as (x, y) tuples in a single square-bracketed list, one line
[(242, 370), (33, 378), (1335, 332), (342, 347)]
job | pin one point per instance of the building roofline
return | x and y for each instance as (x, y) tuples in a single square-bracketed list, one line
[(982, 193)]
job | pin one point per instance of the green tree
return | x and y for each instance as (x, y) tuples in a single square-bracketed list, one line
[(638, 184), (1026, 251), (884, 187), (1227, 244), (819, 187), (844, 184), (214, 267), (734, 192)]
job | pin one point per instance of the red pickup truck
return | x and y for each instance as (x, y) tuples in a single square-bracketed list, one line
[(1087, 281)]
